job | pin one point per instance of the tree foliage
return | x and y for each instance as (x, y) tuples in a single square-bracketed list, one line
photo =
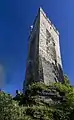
[(33, 106)]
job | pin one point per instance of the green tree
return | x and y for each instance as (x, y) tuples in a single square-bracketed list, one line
[(32, 106), (9, 109)]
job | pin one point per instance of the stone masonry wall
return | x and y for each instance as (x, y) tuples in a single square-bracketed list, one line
[(44, 59), (49, 50)]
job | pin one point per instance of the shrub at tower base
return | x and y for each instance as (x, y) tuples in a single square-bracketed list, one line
[(41, 102)]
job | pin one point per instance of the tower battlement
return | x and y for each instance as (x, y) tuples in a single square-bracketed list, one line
[(44, 58), (44, 14)]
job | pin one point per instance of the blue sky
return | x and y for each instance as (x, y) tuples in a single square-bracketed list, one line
[(16, 17)]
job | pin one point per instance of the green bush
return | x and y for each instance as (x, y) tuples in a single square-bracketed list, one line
[(31, 107)]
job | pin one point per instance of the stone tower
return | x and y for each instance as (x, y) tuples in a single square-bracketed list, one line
[(44, 59)]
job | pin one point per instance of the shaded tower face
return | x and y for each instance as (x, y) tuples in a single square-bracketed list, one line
[(44, 59)]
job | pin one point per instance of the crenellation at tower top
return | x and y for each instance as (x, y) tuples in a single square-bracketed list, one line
[(52, 25)]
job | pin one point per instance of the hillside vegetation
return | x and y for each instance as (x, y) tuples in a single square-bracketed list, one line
[(41, 102)]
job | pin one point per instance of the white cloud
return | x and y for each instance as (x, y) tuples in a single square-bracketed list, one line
[(2, 76)]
